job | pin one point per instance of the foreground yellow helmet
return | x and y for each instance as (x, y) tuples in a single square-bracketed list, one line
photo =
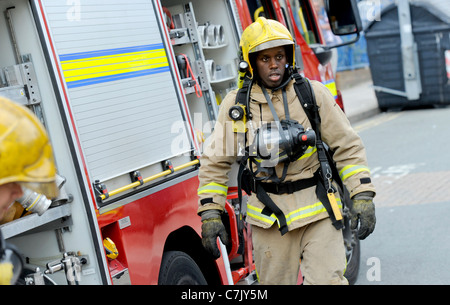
[(265, 34), (26, 155)]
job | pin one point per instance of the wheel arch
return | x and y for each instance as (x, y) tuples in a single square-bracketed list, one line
[(185, 239)]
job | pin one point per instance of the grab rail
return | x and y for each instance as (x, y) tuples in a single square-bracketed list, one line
[(127, 187)]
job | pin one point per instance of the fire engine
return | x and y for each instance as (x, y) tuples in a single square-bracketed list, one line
[(128, 91)]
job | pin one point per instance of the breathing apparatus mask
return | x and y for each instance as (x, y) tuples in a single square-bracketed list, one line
[(281, 142), (34, 202)]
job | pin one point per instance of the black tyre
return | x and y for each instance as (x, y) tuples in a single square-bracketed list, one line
[(353, 261), (178, 268)]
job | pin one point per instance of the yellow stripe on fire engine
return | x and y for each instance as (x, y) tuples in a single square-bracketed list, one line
[(102, 66), (331, 85), (81, 69)]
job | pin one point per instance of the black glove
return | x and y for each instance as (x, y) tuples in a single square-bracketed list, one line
[(363, 211), (212, 228)]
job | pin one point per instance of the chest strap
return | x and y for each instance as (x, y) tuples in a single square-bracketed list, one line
[(290, 186)]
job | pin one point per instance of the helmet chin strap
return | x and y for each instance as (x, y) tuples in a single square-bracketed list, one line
[(287, 74)]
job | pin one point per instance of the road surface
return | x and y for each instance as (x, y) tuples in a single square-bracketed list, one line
[(409, 157)]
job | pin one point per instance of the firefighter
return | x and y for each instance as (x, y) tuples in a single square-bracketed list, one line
[(26, 160), (268, 48)]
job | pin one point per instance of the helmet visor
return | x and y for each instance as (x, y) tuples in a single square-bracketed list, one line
[(271, 44)]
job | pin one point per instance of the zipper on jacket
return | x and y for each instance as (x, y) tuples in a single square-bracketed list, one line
[(260, 113)]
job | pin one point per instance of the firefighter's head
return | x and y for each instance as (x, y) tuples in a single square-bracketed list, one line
[(266, 36), (26, 156)]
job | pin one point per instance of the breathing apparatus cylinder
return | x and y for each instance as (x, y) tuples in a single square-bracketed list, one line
[(272, 145)]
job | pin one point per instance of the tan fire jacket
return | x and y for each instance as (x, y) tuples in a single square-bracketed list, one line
[(299, 208)]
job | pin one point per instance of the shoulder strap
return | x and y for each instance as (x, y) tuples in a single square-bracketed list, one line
[(243, 95), (243, 178), (328, 169), (305, 94)]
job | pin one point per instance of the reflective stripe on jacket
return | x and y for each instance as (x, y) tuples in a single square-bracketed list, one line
[(301, 213)]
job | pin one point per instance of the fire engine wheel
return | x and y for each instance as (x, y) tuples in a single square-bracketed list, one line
[(178, 268), (353, 259)]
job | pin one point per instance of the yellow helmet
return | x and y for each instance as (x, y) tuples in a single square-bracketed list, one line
[(265, 34), (110, 248), (26, 155)]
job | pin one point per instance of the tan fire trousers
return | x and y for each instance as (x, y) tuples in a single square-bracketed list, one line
[(319, 245)]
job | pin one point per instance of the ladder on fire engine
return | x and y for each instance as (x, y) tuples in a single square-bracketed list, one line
[(189, 34)]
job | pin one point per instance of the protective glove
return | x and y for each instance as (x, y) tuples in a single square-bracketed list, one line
[(363, 211), (212, 228)]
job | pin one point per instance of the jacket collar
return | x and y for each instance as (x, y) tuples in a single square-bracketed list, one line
[(257, 94)]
